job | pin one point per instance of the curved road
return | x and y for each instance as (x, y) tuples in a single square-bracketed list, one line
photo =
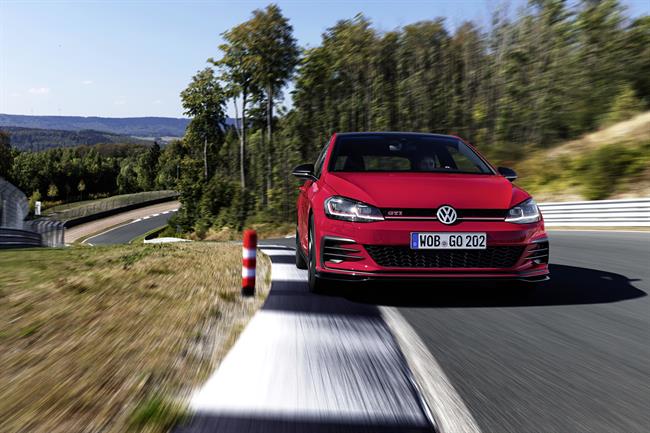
[(125, 233), (572, 356)]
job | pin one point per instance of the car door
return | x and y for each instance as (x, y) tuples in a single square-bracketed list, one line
[(307, 191)]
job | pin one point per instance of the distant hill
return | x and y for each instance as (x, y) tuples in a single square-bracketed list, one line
[(149, 127), (133, 126), (32, 139)]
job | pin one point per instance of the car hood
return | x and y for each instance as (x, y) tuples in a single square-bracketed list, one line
[(427, 190)]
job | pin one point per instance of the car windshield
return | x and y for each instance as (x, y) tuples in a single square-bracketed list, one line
[(405, 153)]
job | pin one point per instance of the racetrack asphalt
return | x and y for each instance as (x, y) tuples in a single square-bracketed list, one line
[(571, 356), (125, 233)]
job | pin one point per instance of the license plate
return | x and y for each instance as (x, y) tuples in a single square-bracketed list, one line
[(448, 241)]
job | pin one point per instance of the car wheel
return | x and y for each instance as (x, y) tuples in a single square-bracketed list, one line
[(316, 285), (301, 263)]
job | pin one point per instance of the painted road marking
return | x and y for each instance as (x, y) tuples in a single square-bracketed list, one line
[(449, 410), (304, 357), (85, 241)]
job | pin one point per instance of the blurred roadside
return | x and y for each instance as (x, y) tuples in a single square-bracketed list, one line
[(82, 231), (612, 163)]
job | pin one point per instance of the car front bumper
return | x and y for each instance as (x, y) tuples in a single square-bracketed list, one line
[(355, 261)]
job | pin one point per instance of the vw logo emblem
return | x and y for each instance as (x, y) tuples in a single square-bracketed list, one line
[(446, 215)]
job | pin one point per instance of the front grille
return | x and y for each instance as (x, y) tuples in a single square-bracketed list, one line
[(405, 257)]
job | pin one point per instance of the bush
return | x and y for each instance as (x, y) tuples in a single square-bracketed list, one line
[(624, 106), (601, 170)]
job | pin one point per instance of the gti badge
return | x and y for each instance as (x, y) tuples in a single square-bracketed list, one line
[(446, 215)]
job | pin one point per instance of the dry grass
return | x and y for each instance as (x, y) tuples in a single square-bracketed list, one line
[(264, 231), (550, 176), (629, 131), (114, 339)]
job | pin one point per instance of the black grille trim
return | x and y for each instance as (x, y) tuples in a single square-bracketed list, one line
[(539, 253), (340, 250), (430, 213), (405, 257)]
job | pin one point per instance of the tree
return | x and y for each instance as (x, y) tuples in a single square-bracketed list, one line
[(274, 52), (600, 38), (6, 155), (148, 167), (625, 105), (237, 65), (204, 101), (637, 43)]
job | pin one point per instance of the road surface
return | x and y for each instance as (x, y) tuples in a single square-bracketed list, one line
[(125, 233), (75, 233), (572, 356)]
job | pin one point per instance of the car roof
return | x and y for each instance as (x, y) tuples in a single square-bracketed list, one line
[(393, 133)]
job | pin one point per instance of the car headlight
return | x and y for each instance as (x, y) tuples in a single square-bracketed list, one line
[(346, 209), (524, 213)]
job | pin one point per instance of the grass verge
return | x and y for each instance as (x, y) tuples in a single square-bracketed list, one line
[(264, 231), (114, 339)]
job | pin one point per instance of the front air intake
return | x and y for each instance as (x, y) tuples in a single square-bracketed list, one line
[(340, 250), (539, 253)]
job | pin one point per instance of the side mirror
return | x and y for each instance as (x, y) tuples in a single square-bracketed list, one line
[(508, 173), (304, 171)]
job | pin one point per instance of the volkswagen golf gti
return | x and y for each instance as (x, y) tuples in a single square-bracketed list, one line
[(414, 206)]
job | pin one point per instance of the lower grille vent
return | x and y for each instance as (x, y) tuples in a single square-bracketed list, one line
[(540, 252), (405, 257), (338, 250)]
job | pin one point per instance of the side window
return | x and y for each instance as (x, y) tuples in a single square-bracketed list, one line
[(318, 165)]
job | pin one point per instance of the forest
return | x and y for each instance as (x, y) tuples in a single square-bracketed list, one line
[(521, 83), (552, 73)]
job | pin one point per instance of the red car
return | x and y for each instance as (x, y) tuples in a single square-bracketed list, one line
[(414, 206)]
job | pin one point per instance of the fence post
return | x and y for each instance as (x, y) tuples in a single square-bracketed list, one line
[(249, 251)]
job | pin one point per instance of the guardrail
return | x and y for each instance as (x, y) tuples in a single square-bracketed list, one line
[(598, 213), (15, 238), (51, 231)]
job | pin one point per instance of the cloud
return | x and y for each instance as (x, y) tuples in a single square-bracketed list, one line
[(120, 101), (87, 82), (157, 102), (39, 90)]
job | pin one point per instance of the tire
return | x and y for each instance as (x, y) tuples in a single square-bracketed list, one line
[(301, 263), (316, 285)]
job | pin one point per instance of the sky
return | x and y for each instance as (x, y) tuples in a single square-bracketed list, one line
[(129, 58)]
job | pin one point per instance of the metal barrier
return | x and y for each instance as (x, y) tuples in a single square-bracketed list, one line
[(51, 231), (16, 238), (598, 213)]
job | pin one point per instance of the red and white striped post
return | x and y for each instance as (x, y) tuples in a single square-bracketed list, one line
[(248, 263)]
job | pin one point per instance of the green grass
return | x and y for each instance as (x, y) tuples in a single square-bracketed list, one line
[(158, 412), (115, 338)]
